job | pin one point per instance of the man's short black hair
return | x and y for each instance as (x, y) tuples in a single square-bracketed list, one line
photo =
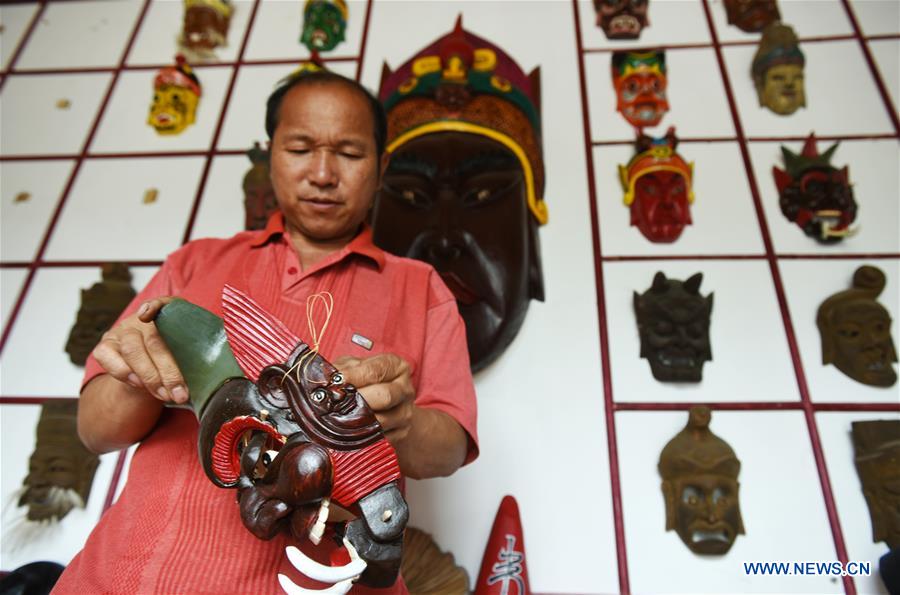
[(321, 77)]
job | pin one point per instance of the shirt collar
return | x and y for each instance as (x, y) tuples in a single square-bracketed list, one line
[(362, 244)]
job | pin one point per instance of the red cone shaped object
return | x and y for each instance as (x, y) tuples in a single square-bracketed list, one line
[(503, 569)]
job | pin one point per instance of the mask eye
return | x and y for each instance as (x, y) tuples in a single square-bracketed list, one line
[(338, 378), (318, 395)]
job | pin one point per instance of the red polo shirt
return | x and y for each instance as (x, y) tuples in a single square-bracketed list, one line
[(172, 530)]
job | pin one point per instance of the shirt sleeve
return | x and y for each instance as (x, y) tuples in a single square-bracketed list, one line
[(165, 282), (445, 381)]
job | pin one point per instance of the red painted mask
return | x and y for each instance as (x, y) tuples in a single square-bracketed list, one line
[(640, 82), (658, 188)]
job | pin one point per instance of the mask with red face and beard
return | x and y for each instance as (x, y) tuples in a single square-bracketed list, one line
[(814, 194), (622, 19), (658, 186)]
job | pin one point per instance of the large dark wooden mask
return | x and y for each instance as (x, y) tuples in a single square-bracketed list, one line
[(464, 187)]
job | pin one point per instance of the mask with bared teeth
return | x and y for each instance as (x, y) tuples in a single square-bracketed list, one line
[(673, 322), (816, 195), (700, 487), (856, 331)]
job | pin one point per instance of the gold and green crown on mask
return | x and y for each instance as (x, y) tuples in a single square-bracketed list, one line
[(463, 83)]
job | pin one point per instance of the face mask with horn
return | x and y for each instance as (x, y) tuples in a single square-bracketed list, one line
[(279, 424), (673, 322)]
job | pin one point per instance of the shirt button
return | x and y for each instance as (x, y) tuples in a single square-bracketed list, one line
[(292, 271)]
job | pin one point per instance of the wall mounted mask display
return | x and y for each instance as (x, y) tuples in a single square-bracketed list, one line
[(60, 470), (205, 26), (464, 188), (752, 16), (324, 24), (778, 70), (279, 424), (640, 82), (814, 194), (100, 307), (876, 445), (259, 196), (176, 93), (622, 19), (700, 487), (673, 322), (856, 331), (658, 185)]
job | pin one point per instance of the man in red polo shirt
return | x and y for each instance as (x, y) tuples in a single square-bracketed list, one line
[(395, 333)]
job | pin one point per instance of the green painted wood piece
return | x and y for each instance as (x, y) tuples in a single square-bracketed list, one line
[(196, 337)]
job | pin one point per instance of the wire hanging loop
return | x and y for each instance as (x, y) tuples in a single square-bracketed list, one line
[(325, 300)]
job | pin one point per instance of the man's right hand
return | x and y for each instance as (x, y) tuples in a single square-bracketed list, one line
[(133, 352)]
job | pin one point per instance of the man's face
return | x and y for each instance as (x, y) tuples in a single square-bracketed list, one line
[(751, 16), (324, 165), (174, 109), (642, 98), (783, 90), (323, 27), (863, 349), (458, 202), (707, 512), (660, 209), (621, 19)]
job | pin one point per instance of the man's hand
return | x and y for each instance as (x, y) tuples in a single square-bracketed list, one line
[(384, 382), (133, 352), (429, 442)]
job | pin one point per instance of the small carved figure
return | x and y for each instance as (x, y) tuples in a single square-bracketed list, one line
[(100, 307), (752, 16), (814, 194), (259, 197), (324, 24), (278, 422), (778, 70), (205, 25), (176, 93), (640, 82), (504, 563), (856, 331), (658, 186), (673, 323), (622, 19), (60, 470), (876, 445), (700, 487), (464, 187)]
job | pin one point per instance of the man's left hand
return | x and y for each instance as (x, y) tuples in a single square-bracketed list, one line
[(384, 382)]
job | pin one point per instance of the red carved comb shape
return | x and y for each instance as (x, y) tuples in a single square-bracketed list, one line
[(257, 338)]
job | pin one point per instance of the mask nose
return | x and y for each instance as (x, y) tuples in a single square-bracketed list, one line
[(443, 248)]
